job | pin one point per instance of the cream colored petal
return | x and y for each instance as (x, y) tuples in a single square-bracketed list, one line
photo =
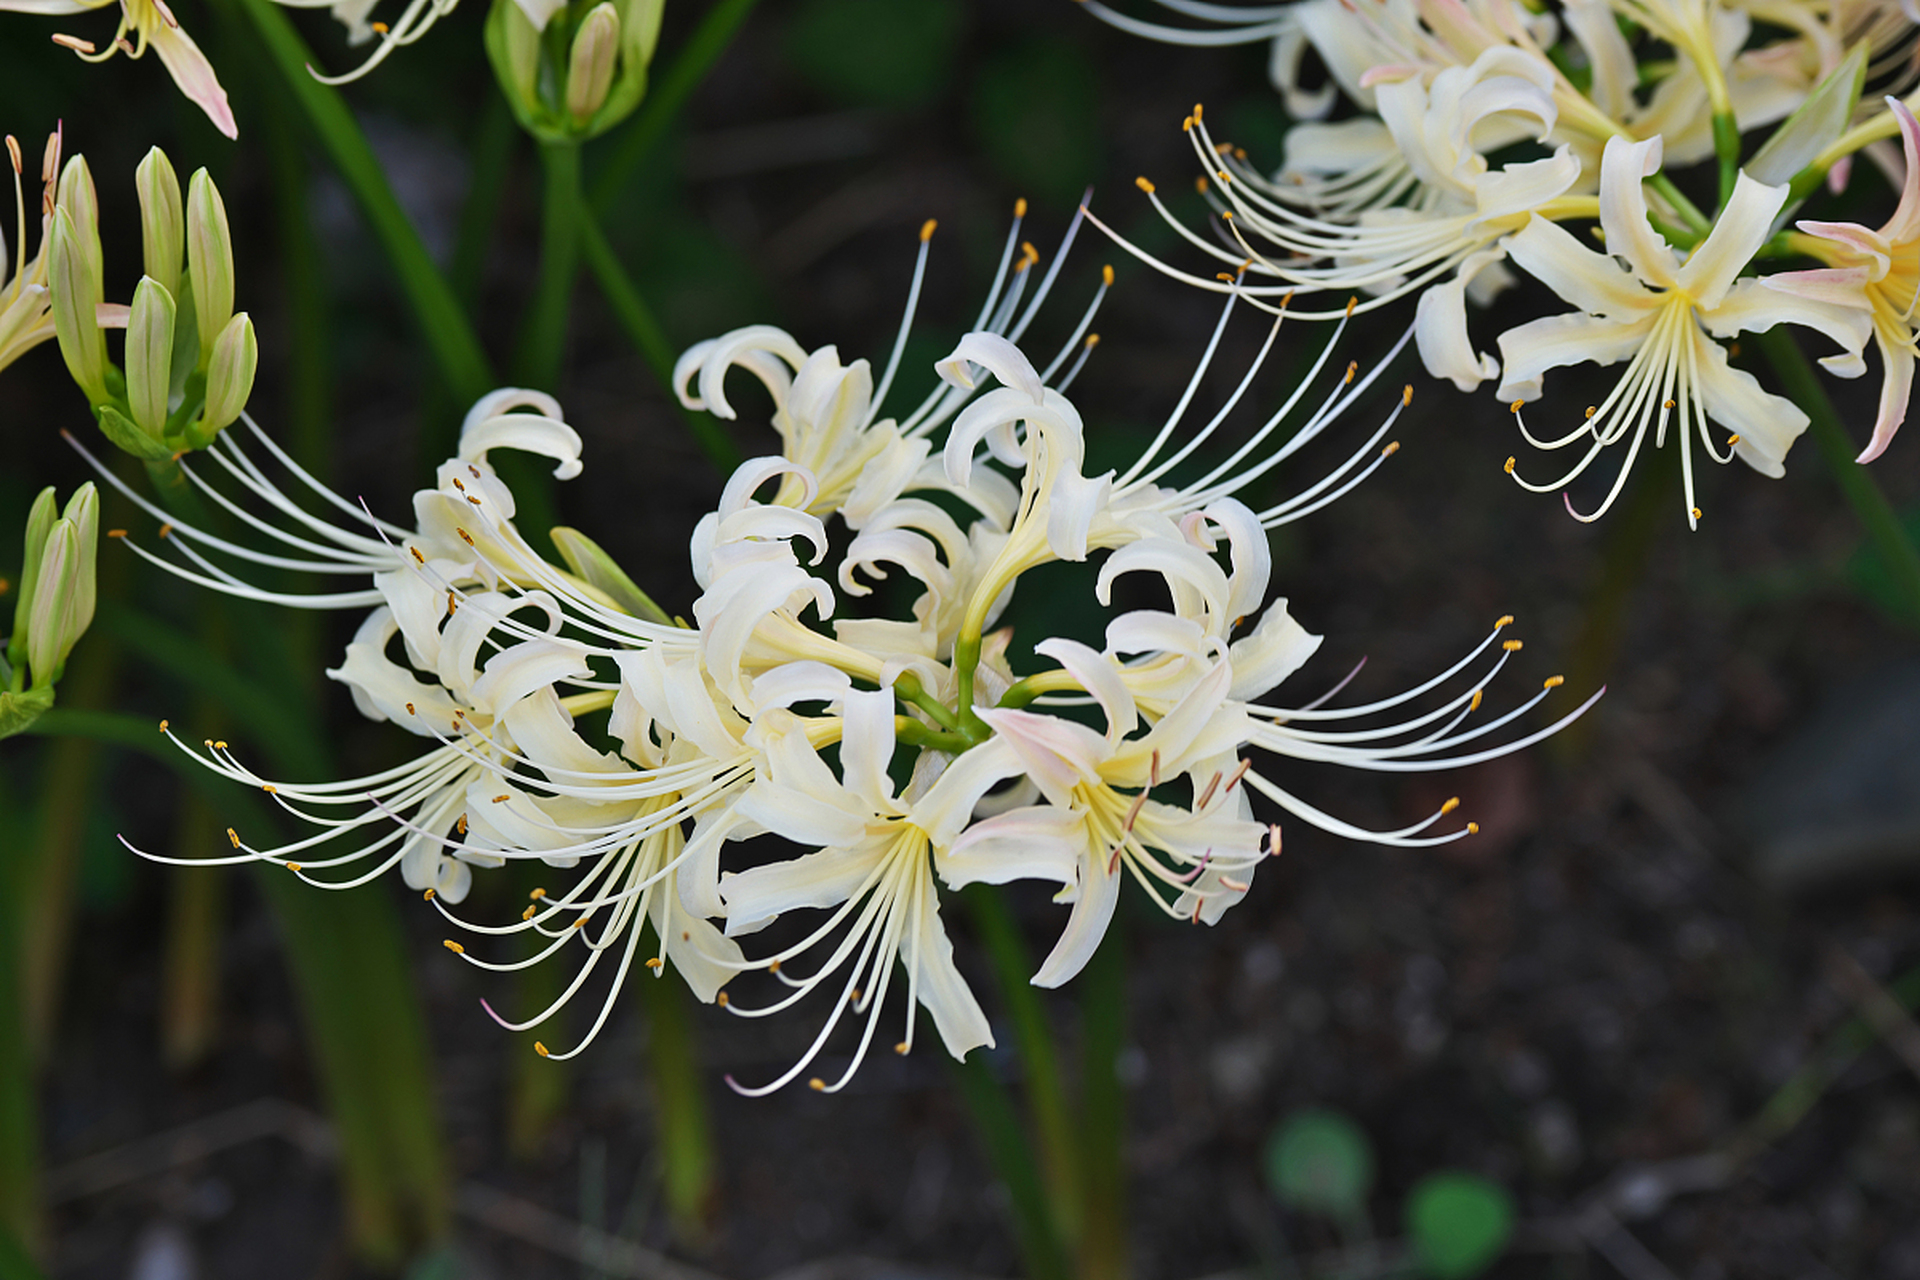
[(193, 73), (1529, 351), (1742, 227), (1623, 209), (1589, 281), (1767, 424)]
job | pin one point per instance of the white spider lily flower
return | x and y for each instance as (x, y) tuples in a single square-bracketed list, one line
[(1099, 817), (828, 415), (146, 24), (1640, 303), (1883, 267), (874, 860), (26, 305)]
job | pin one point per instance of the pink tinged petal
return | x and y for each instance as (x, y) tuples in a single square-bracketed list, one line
[(1202, 724), (1554, 341), (822, 879), (1904, 225), (1098, 676), (1754, 306), (1092, 913), (1894, 395), (50, 8), (1767, 424), (1623, 209), (194, 74), (1041, 842), (957, 1015), (1588, 281), (1742, 227), (1057, 754), (1835, 286), (1868, 244), (1440, 329)]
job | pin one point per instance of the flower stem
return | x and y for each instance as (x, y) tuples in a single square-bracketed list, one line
[(543, 335), (1863, 492), (1697, 222), (1726, 145)]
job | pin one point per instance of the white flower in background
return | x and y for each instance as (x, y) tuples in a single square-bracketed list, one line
[(1882, 266), (26, 307), (145, 24), (1639, 302)]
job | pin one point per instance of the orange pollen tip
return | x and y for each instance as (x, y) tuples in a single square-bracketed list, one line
[(500, 799), (454, 947), (817, 1085), (1554, 682), (527, 914), (1733, 440), (1697, 513), (1669, 404), (427, 896), (410, 710), (1106, 278), (926, 229), (1093, 340), (1511, 463), (1144, 185), (1591, 411), (1223, 177), (1511, 646), (1505, 620), (773, 967), (901, 1048), (163, 726), (656, 963), (379, 28), (1393, 447), (269, 788), (475, 501), (540, 1048), (417, 557), (581, 922), (294, 867), (1473, 828), (1200, 184), (1227, 214), (1406, 395), (465, 536), (1351, 304), (538, 894), (1186, 126), (1198, 111), (723, 999), (458, 485), (1474, 704), (1451, 804), (219, 745), (165, 529), (1515, 406), (116, 533), (233, 837)]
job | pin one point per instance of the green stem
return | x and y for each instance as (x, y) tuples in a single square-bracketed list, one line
[(688, 1167), (19, 1131), (1060, 1153), (543, 338), (1726, 146), (908, 688), (631, 312), (1103, 1101), (997, 1122), (455, 346), (666, 95), (1696, 221), (1876, 515)]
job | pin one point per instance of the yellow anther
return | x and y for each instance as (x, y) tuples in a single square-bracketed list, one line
[(1697, 513), (453, 603), (1186, 126), (773, 966), (1669, 404), (427, 896), (1200, 184), (817, 1085), (1406, 395), (926, 229), (454, 947), (294, 867), (540, 1048), (1353, 367), (379, 28), (1106, 277), (1451, 804), (1591, 411), (1504, 620), (527, 914), (465, 537), (458, 485), (1733, 440), (1020, 207), (219, 744), (500, 799), (655, 962), (410, 710), (165, 530), (1351, 304), (116, 533), (1093, 340), (1226, 215), (1393, 447), (1144, 185), (1473, 828), (901, 1048), (269, 788), (1515, 406), (581, 923), (723, 999), (1554, 682), (1198, 111), (1473, 703), (233, 837), (417, 557), (1511, 462), (163, 726), (460, 824), (538, 894), (1512, 646), (1227, 276), (1222, 177)]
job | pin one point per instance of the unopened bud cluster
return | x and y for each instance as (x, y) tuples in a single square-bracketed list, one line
[(53, 606), (189, 359), (572, 71)]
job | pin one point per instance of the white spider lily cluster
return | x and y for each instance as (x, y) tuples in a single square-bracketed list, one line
[(907, 754), (1480, 127)]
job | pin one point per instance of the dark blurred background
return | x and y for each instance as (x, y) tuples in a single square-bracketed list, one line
[(1668, 915)]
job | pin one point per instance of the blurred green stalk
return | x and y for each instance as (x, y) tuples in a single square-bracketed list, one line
[(1863, 493), (1103, 1109), (681, 1124), (190, 960), (543, 335), (19, 1135)]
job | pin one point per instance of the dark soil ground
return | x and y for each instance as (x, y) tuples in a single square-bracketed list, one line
[(1577, 1002)]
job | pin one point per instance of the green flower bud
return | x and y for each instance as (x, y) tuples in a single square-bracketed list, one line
[(229, 377), (77, 291), (40, 518), (83, 512), (150, 356), (209, 260), (596, 47), (162, 228), (76, 195), (55, 621)]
